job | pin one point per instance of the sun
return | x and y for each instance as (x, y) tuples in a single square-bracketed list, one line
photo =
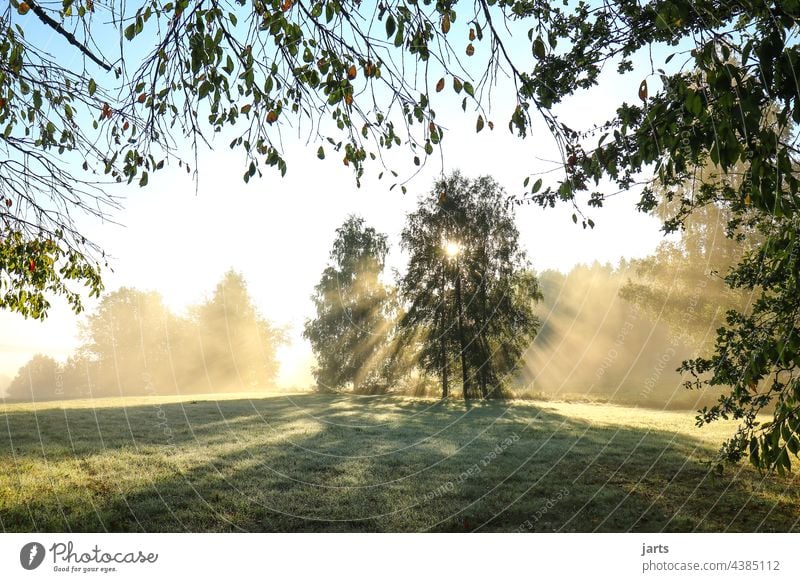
[(451, 248)]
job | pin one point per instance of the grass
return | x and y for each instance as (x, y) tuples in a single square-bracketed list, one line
[(345, 463)]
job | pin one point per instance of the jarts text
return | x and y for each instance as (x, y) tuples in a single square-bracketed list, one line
[(659, 549)]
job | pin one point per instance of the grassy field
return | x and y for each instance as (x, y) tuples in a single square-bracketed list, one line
[(345, 463)]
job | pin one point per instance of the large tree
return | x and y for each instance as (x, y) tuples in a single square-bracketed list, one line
[(468, 288), (350, 333)]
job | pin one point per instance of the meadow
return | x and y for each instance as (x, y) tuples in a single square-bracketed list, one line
[(313, 462)]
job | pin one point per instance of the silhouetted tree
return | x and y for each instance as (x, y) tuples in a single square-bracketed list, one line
[(468, 284)]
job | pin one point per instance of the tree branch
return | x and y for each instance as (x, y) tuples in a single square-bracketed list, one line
[(44, 17)]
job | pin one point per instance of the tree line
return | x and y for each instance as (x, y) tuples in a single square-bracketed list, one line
[(132, 344), (468, 311)]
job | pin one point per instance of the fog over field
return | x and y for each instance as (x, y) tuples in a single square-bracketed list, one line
[(596, 345)]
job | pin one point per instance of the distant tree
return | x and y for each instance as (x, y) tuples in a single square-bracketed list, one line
[(134, 345), (36, 380), (80, 374), (683, 282), (127, 344), (353, 320), (468, 286), (236, 345), (5, 381)]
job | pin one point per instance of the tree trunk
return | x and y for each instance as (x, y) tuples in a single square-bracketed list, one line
[(442, 339), (485, 355), (461, 339), (443, 355)]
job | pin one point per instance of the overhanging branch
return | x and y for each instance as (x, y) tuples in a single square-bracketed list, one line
[(45, 18)]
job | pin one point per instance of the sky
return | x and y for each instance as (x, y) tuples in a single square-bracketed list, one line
[(178, 237)]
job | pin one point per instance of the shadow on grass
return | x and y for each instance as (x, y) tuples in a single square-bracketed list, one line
[(343, 463)]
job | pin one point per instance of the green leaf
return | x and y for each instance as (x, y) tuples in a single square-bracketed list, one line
[(754, 451), (92, 87), (321, 153), (538, 48), (391, 26)]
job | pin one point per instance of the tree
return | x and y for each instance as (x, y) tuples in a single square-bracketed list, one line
[(236, 346), (350, 333), (36, 380), (127, 344), (756, 353), (182, 71), (683, 282), (134, 345), (468, 288), (504, 289)]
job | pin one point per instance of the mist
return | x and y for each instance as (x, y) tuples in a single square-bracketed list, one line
[(595, 345), (133, 345)]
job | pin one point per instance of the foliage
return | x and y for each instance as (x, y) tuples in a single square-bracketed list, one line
[(733, 103), (758, 353), (350, 332), (468, 287), (182, 69), (33, 268)]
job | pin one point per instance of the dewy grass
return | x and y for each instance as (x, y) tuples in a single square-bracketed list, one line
[(311, 462)]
